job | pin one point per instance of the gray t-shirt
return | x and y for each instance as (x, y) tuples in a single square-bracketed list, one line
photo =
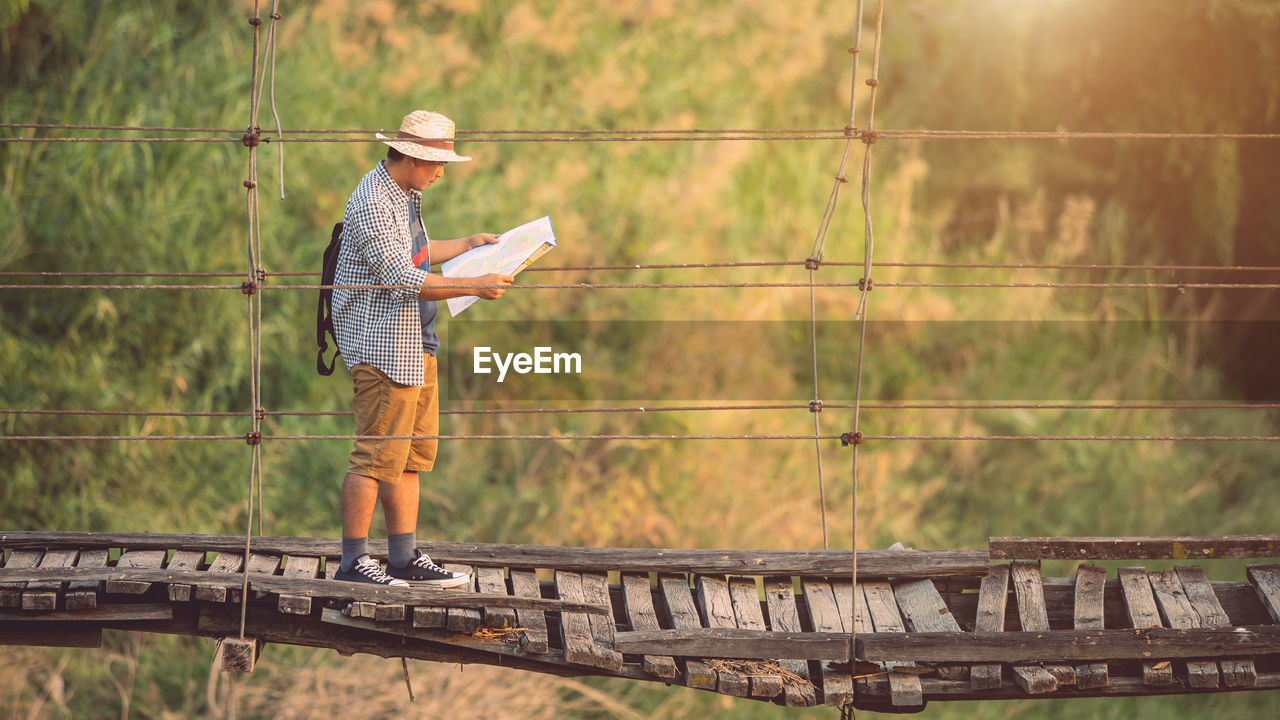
[(422, 258)]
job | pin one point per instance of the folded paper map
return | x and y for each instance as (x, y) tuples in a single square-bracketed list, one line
[(515, 250)]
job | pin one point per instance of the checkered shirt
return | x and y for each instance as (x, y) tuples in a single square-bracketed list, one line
[(381, 328)]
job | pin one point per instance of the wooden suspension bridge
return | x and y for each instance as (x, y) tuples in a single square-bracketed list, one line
[(769, 625)]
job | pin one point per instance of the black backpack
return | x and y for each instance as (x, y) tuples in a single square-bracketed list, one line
[(324, 307)]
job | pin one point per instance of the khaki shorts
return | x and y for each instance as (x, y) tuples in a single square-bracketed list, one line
[(385, 407)]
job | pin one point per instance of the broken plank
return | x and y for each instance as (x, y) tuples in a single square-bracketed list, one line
[(1266, 583), (183, 560), (637, 606), (494, 580), (993, 598), (143, 559), (524, 583), (83, 595), (1140, 605), (1178, 613), (225, 563), (575, 629), (883, 617), (925, 611), (780, 600), (1033, 617), (44, 595), (824, 613), (1088, 615), (745, 598), (11, 592), (1236, 672), (684, 616), (305, 568), (595, 590)]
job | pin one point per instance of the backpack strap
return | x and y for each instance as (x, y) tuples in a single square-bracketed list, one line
[(324, 304)]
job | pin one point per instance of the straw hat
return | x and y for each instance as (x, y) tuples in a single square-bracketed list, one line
[(422, 135)]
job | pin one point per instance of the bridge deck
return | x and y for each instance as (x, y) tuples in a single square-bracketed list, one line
[(772, 625)]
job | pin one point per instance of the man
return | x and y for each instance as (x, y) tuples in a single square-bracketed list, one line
[(387, 338)]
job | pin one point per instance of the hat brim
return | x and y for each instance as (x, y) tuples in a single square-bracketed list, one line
[(423, 152)]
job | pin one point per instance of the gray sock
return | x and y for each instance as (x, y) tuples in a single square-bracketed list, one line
[(352, 549), (400, 549)]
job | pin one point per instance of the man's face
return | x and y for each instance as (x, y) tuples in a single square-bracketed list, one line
[(426, 172)]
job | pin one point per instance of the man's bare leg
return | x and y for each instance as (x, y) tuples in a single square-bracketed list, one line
[(400, 508), (400, 504), (359, 497)]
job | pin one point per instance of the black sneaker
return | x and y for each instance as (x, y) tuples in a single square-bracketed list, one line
[(365, 570), (422, 570)]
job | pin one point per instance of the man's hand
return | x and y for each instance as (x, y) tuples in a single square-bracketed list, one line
[(493, 285), (479, 239)]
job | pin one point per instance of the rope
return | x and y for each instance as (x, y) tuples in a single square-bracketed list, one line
[(699, 266), (861, 316), (844, 437), (657, 136), (677, 408), (1180, 286)]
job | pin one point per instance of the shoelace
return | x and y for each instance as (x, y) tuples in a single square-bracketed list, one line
[(425, 563), (371, 570)]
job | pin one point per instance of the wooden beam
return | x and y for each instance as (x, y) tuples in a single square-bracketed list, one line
[(1088, 614), (102, 613), (993, 599), (1072, 645), (871, 563), (293, 586), (736, 644), (1133, 548)]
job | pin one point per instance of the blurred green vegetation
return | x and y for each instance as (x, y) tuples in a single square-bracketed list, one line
[(1143, 65)]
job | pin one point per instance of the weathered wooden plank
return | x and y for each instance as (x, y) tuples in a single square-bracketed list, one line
[(142, 559), (304, 568), (747, 614), (595, 590), (1034, 617), (183, 560), (336, 589), (717, 612), (1178, 613), (883, 617), (871, 563), (1088, 614), (1236, 672), (1071, 645), (783, 617), (524, 583), (684, 616), (83, 595), (575, 629), (993, 597), (1133, 548), (1265, 580), (925, 611), (106, 613), (261, 564), (44, 595), (637, 604), (427, 617), (226, 563), (11, 592), (494, 580), (1140, 604), (824, 614), (459, 619)]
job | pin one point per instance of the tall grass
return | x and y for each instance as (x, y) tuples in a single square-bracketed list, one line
[(569, 65)]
